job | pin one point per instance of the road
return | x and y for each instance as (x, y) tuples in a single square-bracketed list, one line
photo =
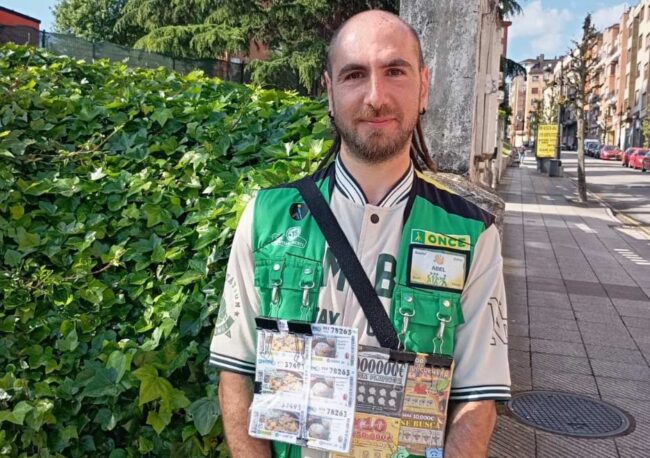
[(625, 190)]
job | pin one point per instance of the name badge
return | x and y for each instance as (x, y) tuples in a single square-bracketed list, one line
[(437, 268)]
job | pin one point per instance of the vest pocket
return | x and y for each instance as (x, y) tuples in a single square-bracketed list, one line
[(288, 287), (422, 315)]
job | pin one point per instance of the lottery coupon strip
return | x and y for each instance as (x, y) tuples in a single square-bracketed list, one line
[(401, 404), (305, 381)]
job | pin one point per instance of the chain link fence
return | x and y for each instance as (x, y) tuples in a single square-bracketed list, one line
[(79, 48)]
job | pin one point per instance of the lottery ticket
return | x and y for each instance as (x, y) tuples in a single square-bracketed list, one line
[(305, 386)]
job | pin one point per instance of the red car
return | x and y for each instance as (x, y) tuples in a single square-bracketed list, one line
[(608, 152), (636, 158), (645, 163), (628, 153)]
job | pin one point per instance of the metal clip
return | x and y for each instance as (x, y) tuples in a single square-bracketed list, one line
[(439, 338), (275, 292), (306, 287), (406, 317)]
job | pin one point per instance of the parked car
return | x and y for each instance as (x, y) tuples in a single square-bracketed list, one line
[(626, 155), (608, 152), (636, 158), (645, 163), (589, 145), (594, 149)]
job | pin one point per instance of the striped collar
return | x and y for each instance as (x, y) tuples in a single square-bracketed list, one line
[(348, 186)]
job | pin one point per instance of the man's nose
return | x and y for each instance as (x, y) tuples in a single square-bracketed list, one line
[(376, 92)]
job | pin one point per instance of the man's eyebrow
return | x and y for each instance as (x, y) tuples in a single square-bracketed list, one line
[(398, 62), (351, 67)]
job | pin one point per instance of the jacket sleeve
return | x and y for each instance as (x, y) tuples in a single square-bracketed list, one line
[(234, 338), (481, 353)]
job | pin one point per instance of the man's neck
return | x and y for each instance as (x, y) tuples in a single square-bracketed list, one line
[(376, 179)]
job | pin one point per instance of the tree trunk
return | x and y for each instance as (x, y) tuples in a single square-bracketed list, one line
[(582, 183)]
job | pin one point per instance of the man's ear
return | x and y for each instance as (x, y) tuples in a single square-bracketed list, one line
[(424, 87), (330, 96)]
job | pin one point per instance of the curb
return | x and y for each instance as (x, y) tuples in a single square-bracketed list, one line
[(622, 217)]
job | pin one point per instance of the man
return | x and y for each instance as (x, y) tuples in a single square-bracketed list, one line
[(280, 266)]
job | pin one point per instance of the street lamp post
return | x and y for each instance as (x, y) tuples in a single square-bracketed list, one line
[(558, 146)]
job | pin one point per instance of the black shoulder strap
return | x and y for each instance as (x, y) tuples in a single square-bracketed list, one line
[(349, 263)]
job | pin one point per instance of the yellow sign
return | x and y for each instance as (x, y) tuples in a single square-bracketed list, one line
[(546, 140)]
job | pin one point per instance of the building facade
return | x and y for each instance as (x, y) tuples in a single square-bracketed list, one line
[(527, 98), (619, 91)]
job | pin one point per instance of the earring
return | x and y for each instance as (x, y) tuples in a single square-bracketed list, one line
[(329, 113), (424, 110)]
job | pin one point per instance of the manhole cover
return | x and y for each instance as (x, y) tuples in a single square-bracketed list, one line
[(570, 414)]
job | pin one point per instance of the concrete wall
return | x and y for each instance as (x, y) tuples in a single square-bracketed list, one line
[(449, 31)]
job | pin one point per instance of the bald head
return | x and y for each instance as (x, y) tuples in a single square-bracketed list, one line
[(374, 20)]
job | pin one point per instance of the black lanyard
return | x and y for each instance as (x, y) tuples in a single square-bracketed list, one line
[(349, 263)]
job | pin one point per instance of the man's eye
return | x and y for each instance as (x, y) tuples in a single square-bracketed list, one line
[(395, 72), (354, 76)]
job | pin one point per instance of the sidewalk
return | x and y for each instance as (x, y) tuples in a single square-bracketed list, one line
[(578, 286)]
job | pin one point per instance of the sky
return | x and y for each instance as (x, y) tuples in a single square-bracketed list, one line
[(546, 26), (549, 26)]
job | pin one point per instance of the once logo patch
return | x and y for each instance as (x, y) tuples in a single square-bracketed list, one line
[(457, 242), (298, 211), (499, 322), (292, 237)]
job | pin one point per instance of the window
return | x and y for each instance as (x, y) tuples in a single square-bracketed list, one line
[(535, 77), (647, 39), (640, 42), (645, 70), (643, 101), (638, 69), (534, 90), (636, 97)]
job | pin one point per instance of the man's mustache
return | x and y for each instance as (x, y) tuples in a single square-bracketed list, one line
[(370, 113)]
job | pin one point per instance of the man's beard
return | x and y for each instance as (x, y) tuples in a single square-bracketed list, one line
[(377, 147)]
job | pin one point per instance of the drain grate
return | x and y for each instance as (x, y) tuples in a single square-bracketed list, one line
[(570, 414)]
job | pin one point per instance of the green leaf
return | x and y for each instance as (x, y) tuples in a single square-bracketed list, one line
[(189, 277), (17, 415), (70, 339), (207, 238), (12, 258), (152, 387), (97, 174), (161, 116), (105, 419), (17, 211), (145, 445), (119, 362), (158, 420), (27, 240), (204, 413), (102, 383)]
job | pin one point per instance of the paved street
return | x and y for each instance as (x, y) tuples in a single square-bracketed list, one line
[(578, 285), (625, 189)]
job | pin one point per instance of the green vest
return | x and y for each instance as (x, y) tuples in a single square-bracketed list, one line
[(289, 253)]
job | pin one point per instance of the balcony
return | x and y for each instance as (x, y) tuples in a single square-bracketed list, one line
[(613, 54)]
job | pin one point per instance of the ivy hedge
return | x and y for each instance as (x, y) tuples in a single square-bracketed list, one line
[(120, 191)]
